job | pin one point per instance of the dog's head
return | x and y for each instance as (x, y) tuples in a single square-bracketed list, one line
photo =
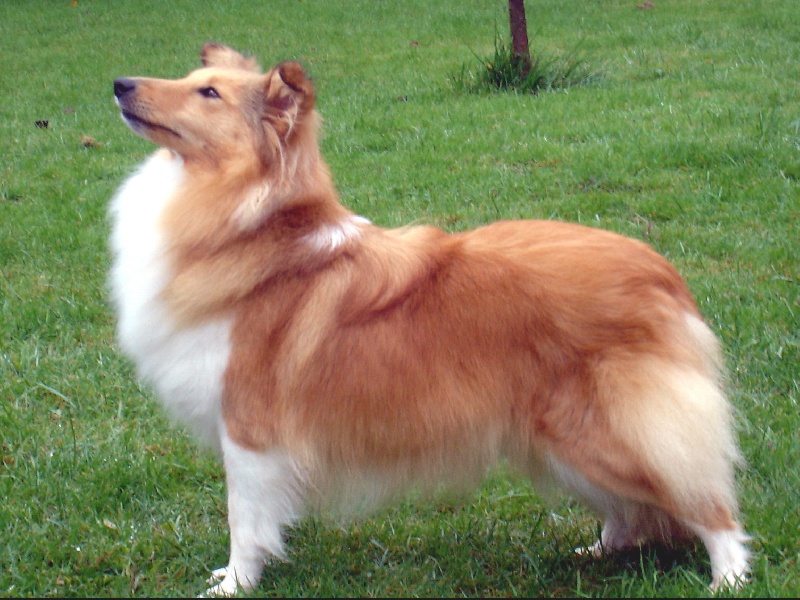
[(228, 110)]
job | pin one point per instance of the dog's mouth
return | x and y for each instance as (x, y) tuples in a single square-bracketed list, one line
[(140, 125)]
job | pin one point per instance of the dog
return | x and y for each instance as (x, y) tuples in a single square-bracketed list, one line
[(335, 364)]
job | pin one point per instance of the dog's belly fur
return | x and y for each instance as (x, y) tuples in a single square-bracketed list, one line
[(185, 365)]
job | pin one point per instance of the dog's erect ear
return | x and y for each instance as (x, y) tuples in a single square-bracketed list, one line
[(288, 95), (218, 55), (294, 76)]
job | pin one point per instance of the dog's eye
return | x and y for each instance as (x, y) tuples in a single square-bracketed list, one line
[(208, 92)]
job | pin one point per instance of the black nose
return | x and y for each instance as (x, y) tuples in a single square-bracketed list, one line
[(123, 86)]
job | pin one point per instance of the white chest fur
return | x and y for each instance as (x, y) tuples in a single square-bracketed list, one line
[(185, 365)]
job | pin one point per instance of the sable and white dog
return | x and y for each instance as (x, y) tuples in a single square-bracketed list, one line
[(334, 363)]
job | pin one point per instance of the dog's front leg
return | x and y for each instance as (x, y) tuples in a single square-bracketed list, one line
[(263, 497)]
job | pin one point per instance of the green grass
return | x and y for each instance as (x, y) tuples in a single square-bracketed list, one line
[(691, 141)]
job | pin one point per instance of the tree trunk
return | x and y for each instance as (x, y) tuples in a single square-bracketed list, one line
[(519, 37)]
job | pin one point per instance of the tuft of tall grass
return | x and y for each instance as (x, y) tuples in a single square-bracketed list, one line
[(504, 71)]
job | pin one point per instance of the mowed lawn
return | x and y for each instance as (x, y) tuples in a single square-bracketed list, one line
[(689, 140)]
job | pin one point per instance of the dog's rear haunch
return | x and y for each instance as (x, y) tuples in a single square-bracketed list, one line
[(335, 364)]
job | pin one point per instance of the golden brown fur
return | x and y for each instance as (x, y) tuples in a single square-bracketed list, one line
[(415, 357)]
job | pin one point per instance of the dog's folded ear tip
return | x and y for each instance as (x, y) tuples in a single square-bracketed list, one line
[(293, 75)]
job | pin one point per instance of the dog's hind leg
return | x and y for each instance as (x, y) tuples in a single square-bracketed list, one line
[(730, 558), (616, 535), (264, 496), (657, 462), (626, 523), (629, 524)]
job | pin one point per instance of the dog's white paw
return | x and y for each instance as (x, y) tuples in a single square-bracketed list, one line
[(595, 550), (734, 576), (226, 584), (730, 558), (217, 575), (730, 581)]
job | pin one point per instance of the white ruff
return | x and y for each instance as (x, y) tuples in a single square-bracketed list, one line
[(185, 365)]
